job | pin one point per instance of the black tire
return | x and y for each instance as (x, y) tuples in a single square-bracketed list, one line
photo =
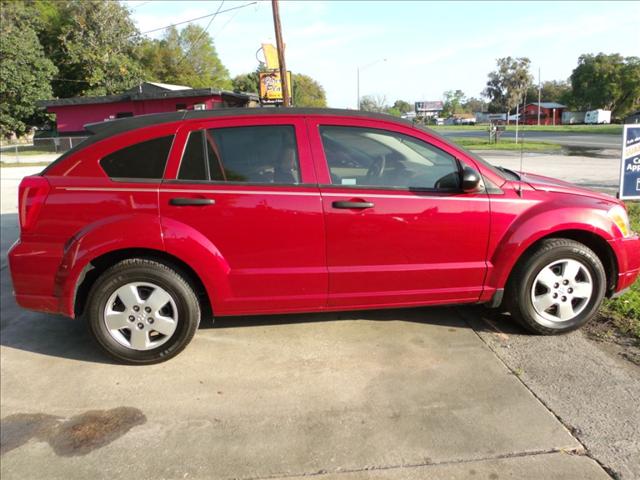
[(519, 290), (144, 271)]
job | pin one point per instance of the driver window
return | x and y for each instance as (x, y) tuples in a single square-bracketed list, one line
[(382, 158)]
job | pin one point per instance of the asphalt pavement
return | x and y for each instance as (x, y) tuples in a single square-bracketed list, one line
[(397, 394)]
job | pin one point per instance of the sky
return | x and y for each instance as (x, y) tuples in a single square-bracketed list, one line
[(407, 50)]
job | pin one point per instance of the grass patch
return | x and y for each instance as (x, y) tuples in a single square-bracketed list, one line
[(505, 144), (26, 152), (592, 129), (23, 164), (623, 313)]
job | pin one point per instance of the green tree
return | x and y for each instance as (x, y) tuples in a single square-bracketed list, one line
[(246, 82), (611, 82), (307, 92), (453, 100), (506, 86), (92, 43), (473, 105), (25, 71), (402, 106), (551, 91), (186, 57)]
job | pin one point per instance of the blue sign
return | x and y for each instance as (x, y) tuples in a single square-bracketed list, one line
[(630, 168)]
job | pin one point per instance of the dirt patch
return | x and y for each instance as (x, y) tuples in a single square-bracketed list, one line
[(77, 435)]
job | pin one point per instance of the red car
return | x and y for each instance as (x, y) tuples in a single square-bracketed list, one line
[(155, 222)]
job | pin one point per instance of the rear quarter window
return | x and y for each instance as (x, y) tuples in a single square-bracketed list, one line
[(144, 160)]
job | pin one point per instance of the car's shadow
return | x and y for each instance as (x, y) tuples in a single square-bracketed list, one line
[(58, 336)]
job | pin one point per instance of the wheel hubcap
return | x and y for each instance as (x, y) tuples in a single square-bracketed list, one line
[(561, 290), (141, 315)]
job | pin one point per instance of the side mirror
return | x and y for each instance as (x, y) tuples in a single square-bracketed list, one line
[(470, 180)]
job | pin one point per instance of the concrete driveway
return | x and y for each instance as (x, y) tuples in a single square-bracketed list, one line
[(394, 394)]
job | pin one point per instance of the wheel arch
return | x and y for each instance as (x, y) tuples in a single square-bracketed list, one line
[(591, 240), (95, 267)]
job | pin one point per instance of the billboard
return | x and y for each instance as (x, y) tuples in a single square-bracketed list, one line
[(630, 163), (271, 87)]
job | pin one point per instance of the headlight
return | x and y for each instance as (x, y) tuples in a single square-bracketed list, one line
[(618, 215)]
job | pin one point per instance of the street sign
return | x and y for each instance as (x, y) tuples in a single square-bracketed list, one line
[(630, 164), (271, 87)]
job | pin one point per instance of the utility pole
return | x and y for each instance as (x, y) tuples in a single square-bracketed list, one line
[(284, 81), (539, 95)]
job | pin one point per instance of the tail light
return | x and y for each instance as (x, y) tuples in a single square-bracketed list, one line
[(31, 196)]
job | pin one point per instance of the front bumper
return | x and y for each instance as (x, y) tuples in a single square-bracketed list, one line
[(627, 251)]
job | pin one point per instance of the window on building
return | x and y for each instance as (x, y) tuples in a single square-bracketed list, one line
[(144, 160), (124, 114), (181, 106), (255, 154), (373, 157)]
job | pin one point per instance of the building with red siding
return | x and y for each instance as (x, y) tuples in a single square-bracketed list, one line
[(550, 113), (72, 114)]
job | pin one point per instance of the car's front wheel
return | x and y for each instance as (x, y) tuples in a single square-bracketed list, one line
[(141, 311), (558, 288)]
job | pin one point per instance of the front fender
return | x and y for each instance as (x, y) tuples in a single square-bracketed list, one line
[(537, 223)]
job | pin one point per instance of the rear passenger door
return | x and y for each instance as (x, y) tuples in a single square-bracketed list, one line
[(249, 187)]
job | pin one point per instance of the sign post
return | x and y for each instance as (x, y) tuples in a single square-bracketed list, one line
[(630, 163)]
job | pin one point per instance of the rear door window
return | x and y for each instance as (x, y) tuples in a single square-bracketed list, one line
[(254, 154), (144, 160)]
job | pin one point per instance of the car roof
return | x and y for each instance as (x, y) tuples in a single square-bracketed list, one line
[(121, 125)]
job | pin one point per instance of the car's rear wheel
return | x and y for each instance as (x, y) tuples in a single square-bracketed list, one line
[(141, 311), (558, 288)]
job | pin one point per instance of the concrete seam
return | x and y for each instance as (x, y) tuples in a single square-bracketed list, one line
[(542, 402)]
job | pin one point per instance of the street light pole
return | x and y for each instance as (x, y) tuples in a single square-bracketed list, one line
[(358, 77), (284, 81), (358, 86)]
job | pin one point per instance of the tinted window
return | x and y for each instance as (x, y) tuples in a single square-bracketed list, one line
[(142, 160), (256, 154), (372, 157), (200, 160)]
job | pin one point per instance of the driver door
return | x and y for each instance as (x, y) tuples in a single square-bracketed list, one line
[(399, 230)]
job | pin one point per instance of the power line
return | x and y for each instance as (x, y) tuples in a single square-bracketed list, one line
[(194, 19), (193, 45)]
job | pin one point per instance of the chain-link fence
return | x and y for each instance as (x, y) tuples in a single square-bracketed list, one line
[(42, 150)]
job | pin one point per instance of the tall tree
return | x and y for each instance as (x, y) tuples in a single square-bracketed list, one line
[(473, 105), (186, 57), (374, 103), (246, 83), (402, 106), (25, 71), (606, 81), (506, 86), (92, 44), (307, 92), (453, 100), (551, 91)]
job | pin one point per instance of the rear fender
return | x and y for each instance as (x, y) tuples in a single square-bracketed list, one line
[(172, 237), (96, 239)]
